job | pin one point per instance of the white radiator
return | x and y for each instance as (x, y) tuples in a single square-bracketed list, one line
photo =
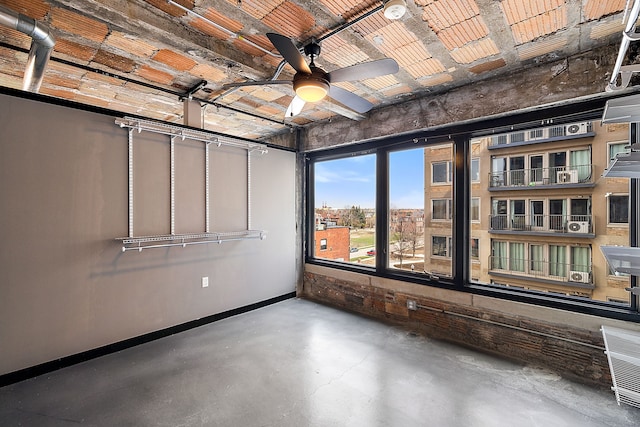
[(622, 348)]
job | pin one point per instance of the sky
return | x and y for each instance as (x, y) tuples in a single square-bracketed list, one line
[(351, 181)]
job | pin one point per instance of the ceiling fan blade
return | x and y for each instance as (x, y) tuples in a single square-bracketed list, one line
[(351, 100), (366, 70), (289, 52), (295, 107)]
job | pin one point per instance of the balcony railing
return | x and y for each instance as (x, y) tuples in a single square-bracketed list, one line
[(568, 224), (580, 174), (581, 275)]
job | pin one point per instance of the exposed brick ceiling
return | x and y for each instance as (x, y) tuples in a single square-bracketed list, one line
[(439, 44)]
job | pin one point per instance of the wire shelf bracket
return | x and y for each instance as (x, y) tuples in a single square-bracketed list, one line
[(138, 243)]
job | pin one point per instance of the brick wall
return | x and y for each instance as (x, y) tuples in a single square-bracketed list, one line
[(572, 352), (338, 244)]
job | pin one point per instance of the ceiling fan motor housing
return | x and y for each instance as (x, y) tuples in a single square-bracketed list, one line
[(311, 87)]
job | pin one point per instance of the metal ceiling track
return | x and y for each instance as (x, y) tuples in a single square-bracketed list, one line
[(138, 243)]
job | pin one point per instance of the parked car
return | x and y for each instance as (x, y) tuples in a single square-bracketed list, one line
[(371, 252), (354, 249)]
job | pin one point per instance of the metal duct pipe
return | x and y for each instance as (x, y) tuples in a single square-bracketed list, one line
[(42, 43)]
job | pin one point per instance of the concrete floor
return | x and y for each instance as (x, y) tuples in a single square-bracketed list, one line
[(297, 363)]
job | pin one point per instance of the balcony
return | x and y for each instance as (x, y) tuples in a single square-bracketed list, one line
[(543, 271), (540, 178), (570, 225)]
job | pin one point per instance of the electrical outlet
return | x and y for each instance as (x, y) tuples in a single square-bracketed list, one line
[(205, 282), (412, 305)]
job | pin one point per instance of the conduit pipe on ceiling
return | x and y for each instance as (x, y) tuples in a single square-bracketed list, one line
[(42, 43), (628, 35), (223, 29)]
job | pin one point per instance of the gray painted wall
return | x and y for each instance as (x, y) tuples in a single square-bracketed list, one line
[(65, 284)]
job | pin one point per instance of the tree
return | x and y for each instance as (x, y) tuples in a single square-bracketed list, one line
[(354, 217), (404, 234)]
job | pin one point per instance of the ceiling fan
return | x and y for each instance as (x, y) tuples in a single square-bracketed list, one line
[(311, 83)]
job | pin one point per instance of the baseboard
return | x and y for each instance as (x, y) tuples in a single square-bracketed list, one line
[(54, 365)]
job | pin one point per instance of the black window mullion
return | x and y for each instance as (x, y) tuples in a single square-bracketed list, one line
[(461, 200), (382, 209)]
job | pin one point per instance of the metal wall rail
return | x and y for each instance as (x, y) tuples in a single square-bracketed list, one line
[(184, 240)]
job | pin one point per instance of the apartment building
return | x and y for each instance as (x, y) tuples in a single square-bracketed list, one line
[(539, 209)]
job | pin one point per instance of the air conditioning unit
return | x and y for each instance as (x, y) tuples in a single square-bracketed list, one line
[(578, 276), (567, 176), (577, 128), (578, 227)]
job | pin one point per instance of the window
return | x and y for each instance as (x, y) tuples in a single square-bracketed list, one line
[(441, 172), (618, 209), (475, 169), (440, 246), (406, 209), (475, 249), (516, 256), (539, 234), (344, 208), (499, 257), (475, 209), (536, 258), (557, 261), (617, 147), (441, 209)]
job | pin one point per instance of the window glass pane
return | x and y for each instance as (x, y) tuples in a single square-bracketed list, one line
[(406, 211), (475, 170), (475, 209), (438, 216), (538, 222), (440, 172), (617, 147), (516, 256), (345, 209), (439, 245), (536, 258), (475, 252), (440, 209), (618, 209)]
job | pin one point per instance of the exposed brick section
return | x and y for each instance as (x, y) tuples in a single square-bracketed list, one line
[(171, 9), (74, 23), (154, 75), (76, 50), (488, 66), (214, 16), (174, 60), (533, 342), (290, 19), (36, 9), (14, 37), (114, 61)]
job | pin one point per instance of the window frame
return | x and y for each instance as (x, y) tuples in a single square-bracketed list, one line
[(448, 172), (471, 210), (448, 209), (617, 224), (461, 135), (475, 177), (615, 143)]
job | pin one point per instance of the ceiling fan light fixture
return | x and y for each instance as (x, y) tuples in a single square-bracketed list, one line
[(311, 87), (395, 9)]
